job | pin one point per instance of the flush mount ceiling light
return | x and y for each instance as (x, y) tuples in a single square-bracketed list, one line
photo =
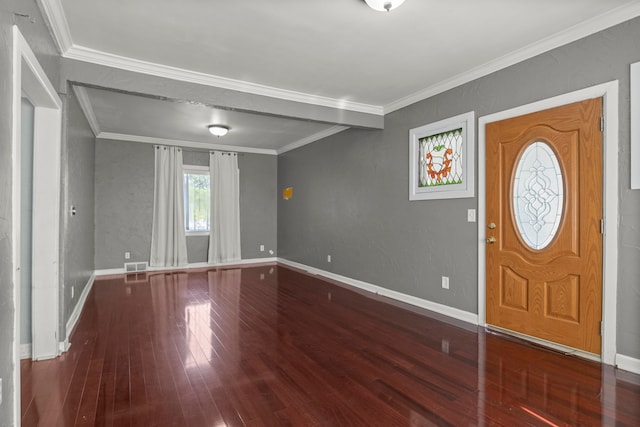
[(384, 5), (218, 130)]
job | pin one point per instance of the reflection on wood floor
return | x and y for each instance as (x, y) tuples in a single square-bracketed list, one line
[(269, 346)]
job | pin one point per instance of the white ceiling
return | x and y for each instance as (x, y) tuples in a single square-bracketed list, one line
[(335, 53)]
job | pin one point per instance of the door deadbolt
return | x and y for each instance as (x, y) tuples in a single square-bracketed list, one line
[(491, 225)]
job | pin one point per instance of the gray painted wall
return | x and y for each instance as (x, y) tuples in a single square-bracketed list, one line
[(78, 170), (350, 195), (41, 43), (124, 203), (258, 205)]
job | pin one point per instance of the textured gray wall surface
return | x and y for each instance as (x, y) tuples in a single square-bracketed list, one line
[(41, 43), (197, 248), (258, 205), (350, 201), (350, 195), (124, 203), (78, 171), (195, 157)]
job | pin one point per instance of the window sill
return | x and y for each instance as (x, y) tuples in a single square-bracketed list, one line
[(196, 233)]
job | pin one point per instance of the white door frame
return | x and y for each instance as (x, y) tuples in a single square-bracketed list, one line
[(609, 93), (30, 78)]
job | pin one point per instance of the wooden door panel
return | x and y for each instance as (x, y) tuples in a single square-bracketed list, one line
[(553, 292), (562, 299), (514, 290), (553, 270)]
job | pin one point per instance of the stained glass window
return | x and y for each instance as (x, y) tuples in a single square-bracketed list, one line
[(538, 195), (440, 159)]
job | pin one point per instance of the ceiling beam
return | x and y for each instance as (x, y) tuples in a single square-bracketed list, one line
[(107, 77)]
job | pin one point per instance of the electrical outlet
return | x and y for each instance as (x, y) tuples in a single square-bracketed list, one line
[(261, 248), (445, 282), (328, 258), (445, 346), (127, 255)]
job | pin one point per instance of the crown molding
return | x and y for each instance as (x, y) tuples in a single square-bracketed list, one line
[(87, 108), (184, 144), (312, 138), (571, 34), (57, 22), (54, 14), (81, 53)]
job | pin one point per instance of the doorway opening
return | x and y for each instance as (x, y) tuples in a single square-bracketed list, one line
[(30, 81)]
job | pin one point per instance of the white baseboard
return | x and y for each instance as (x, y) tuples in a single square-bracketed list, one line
[(398, 296), (75, 315), (118, 271), (628, 363), (25, 351), (63, 346)]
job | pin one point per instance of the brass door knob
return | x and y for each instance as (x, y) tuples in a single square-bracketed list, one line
[(491, 240)]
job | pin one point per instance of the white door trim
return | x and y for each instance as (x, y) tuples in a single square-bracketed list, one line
[(30, 78), (609, 93)]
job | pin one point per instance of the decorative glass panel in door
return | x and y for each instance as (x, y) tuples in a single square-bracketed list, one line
[(538, 195)]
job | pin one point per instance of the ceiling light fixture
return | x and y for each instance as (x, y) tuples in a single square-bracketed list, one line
[(384, 5), (218, 130)]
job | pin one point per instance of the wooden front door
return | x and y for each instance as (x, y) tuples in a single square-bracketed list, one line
[(544, 210)]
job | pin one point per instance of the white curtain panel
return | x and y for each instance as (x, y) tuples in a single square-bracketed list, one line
[(168, 241), (224, 239)]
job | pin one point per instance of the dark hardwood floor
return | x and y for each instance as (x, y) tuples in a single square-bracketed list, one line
[(269, 346)]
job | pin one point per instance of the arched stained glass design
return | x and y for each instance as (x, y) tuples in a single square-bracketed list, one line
[(538, 195)]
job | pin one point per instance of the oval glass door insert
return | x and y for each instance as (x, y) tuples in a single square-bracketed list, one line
[(538, 195)]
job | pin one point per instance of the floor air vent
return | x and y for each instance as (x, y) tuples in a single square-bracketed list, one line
[(134, 267)]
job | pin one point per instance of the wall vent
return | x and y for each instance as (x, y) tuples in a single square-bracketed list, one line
[(134, 267)]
